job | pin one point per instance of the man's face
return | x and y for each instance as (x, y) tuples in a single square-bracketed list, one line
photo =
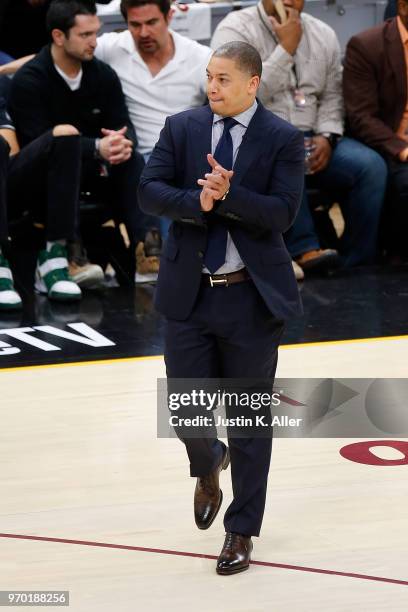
[(149, 28), (80, 43), (294, 4), (403, 11), (230, 91)]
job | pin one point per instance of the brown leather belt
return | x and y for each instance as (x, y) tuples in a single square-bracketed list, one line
[(224, 280)]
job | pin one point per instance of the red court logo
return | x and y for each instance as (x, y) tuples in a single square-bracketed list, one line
[(360, 452)]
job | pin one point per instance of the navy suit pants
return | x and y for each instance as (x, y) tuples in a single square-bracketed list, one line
[(230, 334)]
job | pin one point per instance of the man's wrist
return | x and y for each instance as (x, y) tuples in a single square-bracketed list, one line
[(332, 138)]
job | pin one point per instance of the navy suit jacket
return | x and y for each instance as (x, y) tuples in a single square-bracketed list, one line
[(262, 203)]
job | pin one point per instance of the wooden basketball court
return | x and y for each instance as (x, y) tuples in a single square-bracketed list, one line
[(92, 502)]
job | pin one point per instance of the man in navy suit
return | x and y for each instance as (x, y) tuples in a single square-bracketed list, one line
[(230, 176)]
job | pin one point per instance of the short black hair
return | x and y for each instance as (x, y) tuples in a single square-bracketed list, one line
[(243, 54), (62, 13), (125, 5)]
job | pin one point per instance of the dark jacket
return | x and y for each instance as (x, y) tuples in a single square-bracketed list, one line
[(375, 87), (40, 99), (262, 203)]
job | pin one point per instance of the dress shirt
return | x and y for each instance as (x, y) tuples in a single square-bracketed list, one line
[(233, 261)]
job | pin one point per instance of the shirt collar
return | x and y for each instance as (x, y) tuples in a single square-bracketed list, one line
[(402, 30), (242, 118)]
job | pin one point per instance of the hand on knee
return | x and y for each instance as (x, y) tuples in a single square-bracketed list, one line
[(65, 130)]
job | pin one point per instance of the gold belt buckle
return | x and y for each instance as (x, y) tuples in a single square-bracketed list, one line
[(219, 281)]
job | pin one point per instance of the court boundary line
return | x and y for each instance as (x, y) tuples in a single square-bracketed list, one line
[(164, 551), (67, 364)]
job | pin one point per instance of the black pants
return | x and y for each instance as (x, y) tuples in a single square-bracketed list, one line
[(397, 208), (230, 335), (116, 187), (44, 178)]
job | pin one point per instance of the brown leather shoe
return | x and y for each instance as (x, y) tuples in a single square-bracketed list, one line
[(318, 259), (235, 555), (208, 495)]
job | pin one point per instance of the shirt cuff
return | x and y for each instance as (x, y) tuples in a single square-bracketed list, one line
[(281, 57)]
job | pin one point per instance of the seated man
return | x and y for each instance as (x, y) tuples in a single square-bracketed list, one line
[(162, 73), (64, 83), (302, 84), (45, 172), (376, 98)]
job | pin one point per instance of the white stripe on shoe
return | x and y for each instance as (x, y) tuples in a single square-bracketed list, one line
[(57, 263), (6, 273)]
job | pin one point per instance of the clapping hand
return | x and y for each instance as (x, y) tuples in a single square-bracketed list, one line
[(214, 184)]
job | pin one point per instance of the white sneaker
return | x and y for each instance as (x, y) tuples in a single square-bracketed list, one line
[(9, 298), (86, 275), (80, 269), (52, 276)]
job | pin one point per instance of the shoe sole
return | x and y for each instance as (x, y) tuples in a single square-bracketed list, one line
[(225, 464), (143, 279), (40, 287), (92, 282), (16, 306), (323, 263)]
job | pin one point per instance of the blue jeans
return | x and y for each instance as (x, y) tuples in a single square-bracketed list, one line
[(356, 176), (163, 222)]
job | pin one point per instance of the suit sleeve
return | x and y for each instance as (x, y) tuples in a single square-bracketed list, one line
[(360, 89), (157, 194), (277, 209)]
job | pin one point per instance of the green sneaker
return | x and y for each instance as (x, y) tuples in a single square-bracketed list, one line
[(9, 298), (52, 276)]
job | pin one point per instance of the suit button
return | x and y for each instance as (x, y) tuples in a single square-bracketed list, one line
[(201, 254)]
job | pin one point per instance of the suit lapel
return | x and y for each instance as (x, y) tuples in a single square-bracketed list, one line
[(397, 59), (201, 134), (250, 147), (200, 131)]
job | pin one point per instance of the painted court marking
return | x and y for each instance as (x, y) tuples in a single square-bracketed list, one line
[(202, 556)]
